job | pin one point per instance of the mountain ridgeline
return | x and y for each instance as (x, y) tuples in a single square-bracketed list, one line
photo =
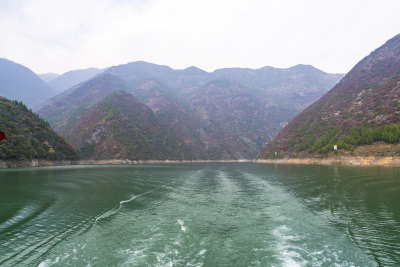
[(29, 137), (47, 77), (71, 78), (20, 83), (362, 109), (226, 114)]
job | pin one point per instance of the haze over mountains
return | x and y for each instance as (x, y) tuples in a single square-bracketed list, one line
[(20, 83), (67, 80), (363, 108), (142, 110), (226, 114), (47, 77)]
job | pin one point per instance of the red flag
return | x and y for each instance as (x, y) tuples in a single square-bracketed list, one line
[(2, 136)]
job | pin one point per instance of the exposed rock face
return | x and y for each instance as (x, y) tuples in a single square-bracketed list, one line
[(368, 95)]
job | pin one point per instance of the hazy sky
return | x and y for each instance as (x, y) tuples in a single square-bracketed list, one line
[(61, 35)]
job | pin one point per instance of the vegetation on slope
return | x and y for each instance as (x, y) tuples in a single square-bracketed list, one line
[(63, 110), (235, 110), (172, 115), (121, 127), (227, 114), (363, 108), (29, 136)]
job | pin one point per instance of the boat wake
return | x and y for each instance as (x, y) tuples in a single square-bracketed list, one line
[(120, 205)]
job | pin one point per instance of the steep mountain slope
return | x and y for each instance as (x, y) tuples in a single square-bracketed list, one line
[(280, 85), (174, 117), (284, 92), (72, 78), (28, 135), (299, 85), (47, 77), (211, 118), (228, 110), (20, 83), (363, 108), (62, 110), (120, 126)]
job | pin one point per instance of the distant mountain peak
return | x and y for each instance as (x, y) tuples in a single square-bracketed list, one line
[(72, 78), (305, 68), (194, 70), (145, 65), (20, 83)]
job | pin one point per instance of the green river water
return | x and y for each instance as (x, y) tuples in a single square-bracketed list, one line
[(200, 214)]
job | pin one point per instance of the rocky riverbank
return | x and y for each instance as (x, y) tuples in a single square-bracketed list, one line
[(43, 162), (339, 160)]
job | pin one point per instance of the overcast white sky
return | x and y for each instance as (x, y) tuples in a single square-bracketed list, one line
[(61, 35)]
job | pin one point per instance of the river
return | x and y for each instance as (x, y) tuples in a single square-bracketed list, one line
[(200, 214)]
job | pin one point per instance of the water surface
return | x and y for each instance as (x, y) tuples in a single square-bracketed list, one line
[(211, 214)]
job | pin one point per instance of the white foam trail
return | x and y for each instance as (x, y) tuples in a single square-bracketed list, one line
[(128, 200), (288, 256), (202, 252), (115, 210), (48, 262), (183, 227)]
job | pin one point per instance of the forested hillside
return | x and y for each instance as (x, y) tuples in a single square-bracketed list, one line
[(28, 135)]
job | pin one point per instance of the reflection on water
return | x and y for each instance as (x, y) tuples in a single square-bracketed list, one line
[(214, 214)]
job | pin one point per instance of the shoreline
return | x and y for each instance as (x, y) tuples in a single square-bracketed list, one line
[(5, 164), (339, 160)]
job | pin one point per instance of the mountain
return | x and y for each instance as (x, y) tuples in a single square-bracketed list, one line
[(231, 117), (284, 92), (28, 135), (293, 88), (299, 85), (20, 83), (284, 86), (47, 77), (72, 78), (63, 110), (120, 126), (362, 109), (232, 114), (173, 116)]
